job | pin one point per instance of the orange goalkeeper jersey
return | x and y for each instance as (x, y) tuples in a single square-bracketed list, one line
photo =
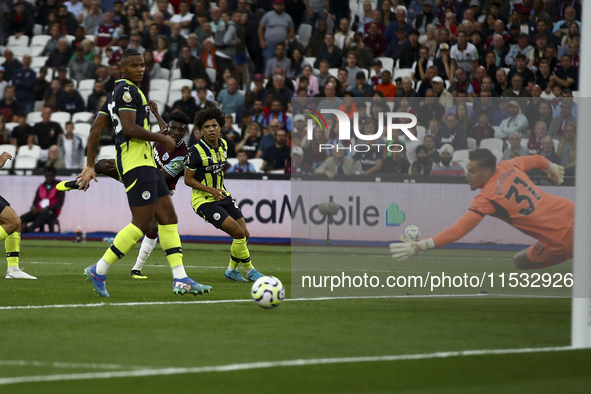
[(512, 197)]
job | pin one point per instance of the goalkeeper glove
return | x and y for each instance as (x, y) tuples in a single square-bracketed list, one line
[(408, 248), (556, 173)]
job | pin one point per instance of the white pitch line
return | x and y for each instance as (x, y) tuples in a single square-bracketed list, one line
[(57, 364), (272, 364), (101, 304)]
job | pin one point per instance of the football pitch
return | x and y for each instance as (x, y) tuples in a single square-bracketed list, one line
[(59, 337)]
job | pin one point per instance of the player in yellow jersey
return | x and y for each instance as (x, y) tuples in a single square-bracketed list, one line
[(147, 193), (508, 194), (204, 173), (10, 231)]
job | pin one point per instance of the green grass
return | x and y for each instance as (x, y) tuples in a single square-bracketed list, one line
[(187, 334)]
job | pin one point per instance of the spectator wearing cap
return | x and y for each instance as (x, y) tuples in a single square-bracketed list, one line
[(445, 97), (522, 47), (24, 82), (375, 40), (275, 27), (298, 165), (451, 132), (361, 87), (387, 87), (447, 167), (81, 68), (443, 64), (259, 88), (516, 122)]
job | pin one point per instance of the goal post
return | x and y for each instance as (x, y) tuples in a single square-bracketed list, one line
[(581, 301)]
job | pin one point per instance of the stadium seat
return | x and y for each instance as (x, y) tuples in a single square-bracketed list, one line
[(556, 142), (420, 132), (257, 163), (86, 84), (492, 143), (22, 163), (175, 74), (524, 142), (471, 143), (21, 41), (461, 155), (160, 84), (212, 73), (304, 34), (8, 148), (155, 128), (387, 62), (177, 84), (232, 161), (34, 117), (85, 93), (19, 51), (107, 152), (61, 117), (39, 61), (83, 117), (37, 29), (165, 73), (334, 71), (11, 125), (310, 60), (70, 38), (40, 40), (82, 130), (35, 151), (174, 96), (90, 37), (498, 154), (402, 72)]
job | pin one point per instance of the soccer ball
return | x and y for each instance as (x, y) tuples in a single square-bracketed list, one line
[(413, 233), (268, 292)]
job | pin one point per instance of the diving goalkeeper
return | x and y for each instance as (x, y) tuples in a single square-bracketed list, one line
[(509, 194)]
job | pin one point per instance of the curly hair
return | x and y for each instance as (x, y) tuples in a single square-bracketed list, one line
[(179, 116), (208, 114)]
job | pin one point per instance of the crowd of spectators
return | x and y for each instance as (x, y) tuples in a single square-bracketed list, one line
[(469, 70)]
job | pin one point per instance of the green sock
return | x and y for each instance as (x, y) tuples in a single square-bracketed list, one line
[(124, 241), (240, 253), (13, 248)]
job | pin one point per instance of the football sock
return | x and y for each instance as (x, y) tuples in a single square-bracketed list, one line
[(123, 242), (146, 249), (13, 248), (3, 234), (240, 254), (170, 241)]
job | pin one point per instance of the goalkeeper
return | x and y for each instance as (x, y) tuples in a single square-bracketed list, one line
[(508, 194)]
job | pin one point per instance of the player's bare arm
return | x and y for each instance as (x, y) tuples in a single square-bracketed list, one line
[(154, 109), (3, 157), (100, 122), (217, 194)]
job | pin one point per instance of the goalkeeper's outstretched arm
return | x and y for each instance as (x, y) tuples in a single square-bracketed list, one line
[(466, 223)]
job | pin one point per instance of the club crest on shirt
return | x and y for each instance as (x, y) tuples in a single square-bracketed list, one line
[(127, 97), (165, 156)]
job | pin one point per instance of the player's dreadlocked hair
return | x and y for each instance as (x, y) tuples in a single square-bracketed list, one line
[(208, 114), (179, 116), (129, 53), (484, 157)]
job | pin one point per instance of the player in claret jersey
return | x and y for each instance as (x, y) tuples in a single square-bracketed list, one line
[(509, 194)]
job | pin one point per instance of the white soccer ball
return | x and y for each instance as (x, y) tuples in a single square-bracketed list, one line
[(412, 232), (268, 292)]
